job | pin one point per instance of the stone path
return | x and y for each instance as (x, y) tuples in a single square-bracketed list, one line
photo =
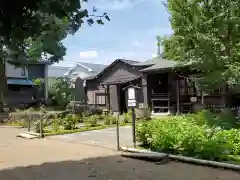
[(47, 159), (104, 138)]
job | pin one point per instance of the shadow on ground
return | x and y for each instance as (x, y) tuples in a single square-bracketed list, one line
[(115, 168)]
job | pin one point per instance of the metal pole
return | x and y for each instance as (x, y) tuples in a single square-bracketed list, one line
[(134, 127), (29, 123), (41, 124), (118, 142), (29, 119)]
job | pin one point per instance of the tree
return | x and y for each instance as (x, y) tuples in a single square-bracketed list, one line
[(62, 92), (33, 30), (207, 33)]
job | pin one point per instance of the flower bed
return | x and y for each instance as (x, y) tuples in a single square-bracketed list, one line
[(203, 135)]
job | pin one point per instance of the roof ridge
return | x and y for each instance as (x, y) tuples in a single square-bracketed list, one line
[(91, 63)]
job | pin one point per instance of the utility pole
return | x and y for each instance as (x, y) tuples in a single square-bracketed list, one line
[(158, 46)]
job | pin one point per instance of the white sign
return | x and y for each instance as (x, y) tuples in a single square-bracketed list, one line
[(131, 93), (193, 99), (132, 103)]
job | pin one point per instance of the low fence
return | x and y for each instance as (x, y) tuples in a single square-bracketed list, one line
[(33, 121)]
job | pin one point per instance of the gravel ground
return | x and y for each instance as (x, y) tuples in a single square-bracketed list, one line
[(47, 159)]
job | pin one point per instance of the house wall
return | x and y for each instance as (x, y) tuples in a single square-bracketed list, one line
[(79, 71), (36, 71), (17, 94), (118, 72), (15, 72)]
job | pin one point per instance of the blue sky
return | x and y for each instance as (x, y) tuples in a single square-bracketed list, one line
[(130, 34)]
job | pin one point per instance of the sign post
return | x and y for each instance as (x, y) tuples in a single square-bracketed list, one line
[(132, 103), (134, 127), (118, 141)]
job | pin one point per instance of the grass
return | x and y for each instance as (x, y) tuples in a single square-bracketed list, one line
[(11, 124), (82, 129)]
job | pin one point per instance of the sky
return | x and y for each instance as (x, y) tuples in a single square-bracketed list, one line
[(131, 33)]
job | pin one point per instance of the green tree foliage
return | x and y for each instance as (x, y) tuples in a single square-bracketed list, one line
[(33, 30), (208, 34), (61, 92)]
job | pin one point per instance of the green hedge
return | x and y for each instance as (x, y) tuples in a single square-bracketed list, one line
[(203, 135)]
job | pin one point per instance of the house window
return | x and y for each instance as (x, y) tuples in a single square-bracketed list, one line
[(100, 99)]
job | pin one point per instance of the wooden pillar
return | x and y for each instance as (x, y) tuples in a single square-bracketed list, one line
[(108, 98), (145, 90), (169, 90), (224, 96), (178, 96)]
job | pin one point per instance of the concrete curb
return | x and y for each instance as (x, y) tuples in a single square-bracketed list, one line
[(180, 158), (29, 135), (10, 126)]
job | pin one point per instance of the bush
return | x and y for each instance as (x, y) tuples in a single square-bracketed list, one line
[(70, 121), (190, 135), (56, 123), (128, 117), (108, 119), (225, 119), (113, 119), (91, 121)]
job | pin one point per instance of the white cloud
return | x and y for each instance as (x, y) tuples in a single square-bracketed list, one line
[(154, 55), (136, 44), (113, 4), (117, 4), (88, 54)]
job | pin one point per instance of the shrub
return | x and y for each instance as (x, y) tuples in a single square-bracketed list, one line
[(56, 123), (91, 120), (128, 117), (225, 119), (108, 119), (190, 135), (113, 119), (69, 122)]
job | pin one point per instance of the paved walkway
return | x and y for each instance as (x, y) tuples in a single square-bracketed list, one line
[(104, 138), (46, 159)]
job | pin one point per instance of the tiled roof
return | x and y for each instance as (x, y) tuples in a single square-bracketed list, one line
[(94, 67), (130, 62), (156, 63), (160, 63), (57, 71)]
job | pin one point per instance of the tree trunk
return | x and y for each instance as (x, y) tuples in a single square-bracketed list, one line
[(3, 85)]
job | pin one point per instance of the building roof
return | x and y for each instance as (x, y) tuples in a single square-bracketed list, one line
[(131, 62), (93, 66), (57, 71), (19, 81), (159, 63), (90, 67), (95, 75), (148, 62)]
